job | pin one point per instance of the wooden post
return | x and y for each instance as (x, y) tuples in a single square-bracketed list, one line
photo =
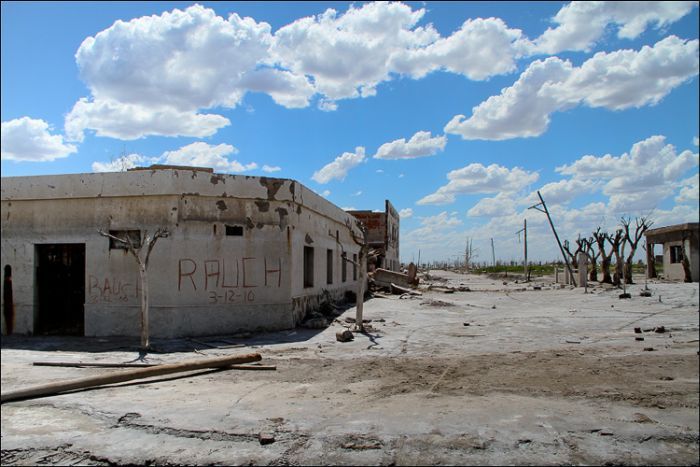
[(551, 224), (527, 272), (82, 383)]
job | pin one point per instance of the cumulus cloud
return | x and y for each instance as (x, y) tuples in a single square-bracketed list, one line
[(406, 213), (349, 54), (29, 139), (421, 144), (140, 74), (205, 155), (480, 49), (640, 179), (689, 192), (133, 121), (498, 206), (477, 178), (581, 24), (270, 169), (615, 80), (326, 193), (339, 168)]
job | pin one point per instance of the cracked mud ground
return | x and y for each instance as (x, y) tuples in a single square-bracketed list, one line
[(500, 375)]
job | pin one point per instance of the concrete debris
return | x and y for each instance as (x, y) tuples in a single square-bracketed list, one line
[(398, 290), (344, 336), (385, 278), (266, 438)]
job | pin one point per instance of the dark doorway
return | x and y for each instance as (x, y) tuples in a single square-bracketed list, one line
[(60, 289)]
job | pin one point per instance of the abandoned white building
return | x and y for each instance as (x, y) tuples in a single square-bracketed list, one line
[(243, 253), (681, 251), (382, 235)]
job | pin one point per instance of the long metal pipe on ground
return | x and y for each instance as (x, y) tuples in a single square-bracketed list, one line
[(82, 383)]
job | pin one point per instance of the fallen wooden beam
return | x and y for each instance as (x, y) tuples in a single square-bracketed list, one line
[(139, 365), (128, 375)]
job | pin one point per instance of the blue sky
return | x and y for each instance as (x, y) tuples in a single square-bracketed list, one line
[(455, 112)]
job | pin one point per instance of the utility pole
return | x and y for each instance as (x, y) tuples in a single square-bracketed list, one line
[(524, 230), (493, 253), (549, 218)]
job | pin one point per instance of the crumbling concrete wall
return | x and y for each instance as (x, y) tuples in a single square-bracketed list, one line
[(231, 261)]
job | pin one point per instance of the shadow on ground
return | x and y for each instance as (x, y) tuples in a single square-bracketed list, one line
[(184, 344)]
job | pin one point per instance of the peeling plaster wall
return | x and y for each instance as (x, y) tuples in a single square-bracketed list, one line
[(202, 281)]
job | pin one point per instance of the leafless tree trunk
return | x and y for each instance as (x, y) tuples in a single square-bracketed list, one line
[(142, 253), (685, 261), (642, 224), (615, 243), (600, 238), (469, 254)]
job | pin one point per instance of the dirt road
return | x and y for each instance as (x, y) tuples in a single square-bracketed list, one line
[(503, 374)]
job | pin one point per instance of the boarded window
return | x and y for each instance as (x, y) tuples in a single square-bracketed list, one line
[(329, 266), (354, 267), (133, 235), (676, 254), (308, 266), (234, 231)]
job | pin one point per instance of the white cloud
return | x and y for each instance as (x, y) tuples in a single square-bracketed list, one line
[(696, 142), (133, 121), (270, 169), (582, 24), (349, 54), (615, 80), (357, 193), (326, 193), (122, 163), (140, 74), (379, 171), (339, 168), (479, 49), (421, 144), (501, 205), (205, 155), (690, 191), (29, 139), (477, 178), (563, 191), (637, 180), (406, 213)]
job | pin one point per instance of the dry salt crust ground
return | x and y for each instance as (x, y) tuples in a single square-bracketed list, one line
[(502, 374)]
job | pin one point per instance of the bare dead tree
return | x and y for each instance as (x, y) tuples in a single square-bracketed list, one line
[(685, 262), (642, 224), (615, 242), (141, 253), (572, 256), (469, 254), (605, 257)]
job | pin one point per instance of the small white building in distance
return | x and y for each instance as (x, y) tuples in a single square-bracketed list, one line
[(243, 253), (681, 251)]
